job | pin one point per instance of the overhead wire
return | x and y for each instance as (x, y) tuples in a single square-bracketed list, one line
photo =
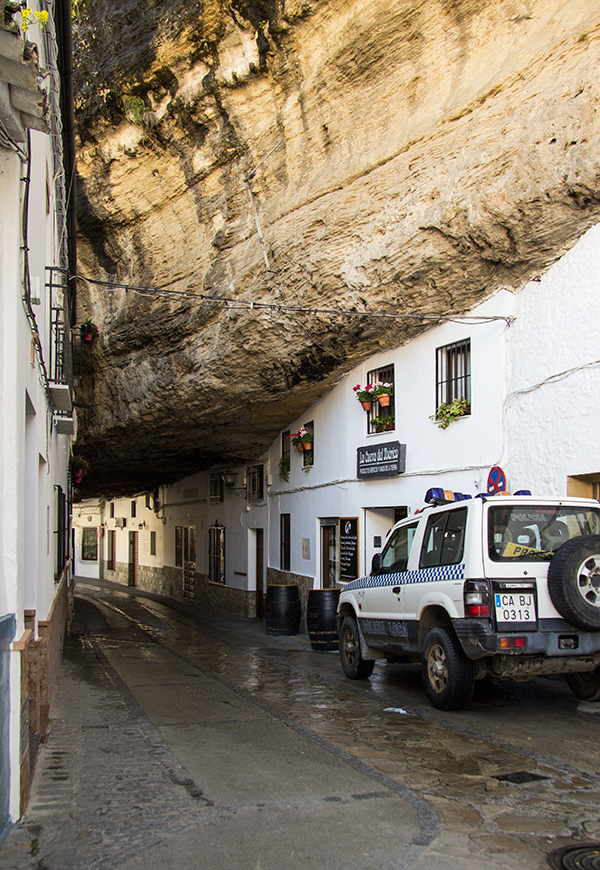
[(248, 305)]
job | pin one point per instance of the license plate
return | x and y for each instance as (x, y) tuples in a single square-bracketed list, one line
[(515, 607)]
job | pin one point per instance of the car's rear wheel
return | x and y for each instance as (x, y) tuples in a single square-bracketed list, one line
[(448, 675), (353, 664), (585, 686), (574, 581)]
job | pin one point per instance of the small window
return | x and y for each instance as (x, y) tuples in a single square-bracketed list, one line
[(89, 545), (453, 373), (216, 554), (397, 550), (153, 543), (444, 539), (254, 482), (112, 510), (179, 546), (382, 416), (308, 457), (133, 508), (148, 501), (284, 539), (215, 488)]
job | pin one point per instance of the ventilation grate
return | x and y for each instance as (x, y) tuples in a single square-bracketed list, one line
[(584, 856)]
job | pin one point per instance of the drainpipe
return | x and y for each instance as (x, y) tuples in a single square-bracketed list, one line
[(65, 67)]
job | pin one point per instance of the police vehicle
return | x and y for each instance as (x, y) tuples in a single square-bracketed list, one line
[(507, 585)]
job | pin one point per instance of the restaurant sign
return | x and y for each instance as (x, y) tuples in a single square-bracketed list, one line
[(380, 460)]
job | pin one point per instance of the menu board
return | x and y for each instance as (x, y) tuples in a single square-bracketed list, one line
[(348, 548)]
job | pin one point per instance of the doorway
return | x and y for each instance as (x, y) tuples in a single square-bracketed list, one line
[(260, 571), (133, 558), (330, 563)]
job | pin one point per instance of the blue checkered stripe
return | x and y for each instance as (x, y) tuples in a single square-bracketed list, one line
[(423, 575)]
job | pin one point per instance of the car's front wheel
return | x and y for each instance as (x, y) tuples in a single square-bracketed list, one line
[(353, 664), (586, 685), (448, 675)]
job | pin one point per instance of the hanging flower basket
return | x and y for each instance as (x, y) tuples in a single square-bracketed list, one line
[(302, 439), (382, 392), (89, 330), (365, 396), (79, 468)]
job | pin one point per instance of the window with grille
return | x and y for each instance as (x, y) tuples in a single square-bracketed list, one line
[(453, 373), (216, 554), (254, 482), (179, 546), (382, 418), (284, 542), (153, 543), (215, 488), (89, 545), (308, 457)]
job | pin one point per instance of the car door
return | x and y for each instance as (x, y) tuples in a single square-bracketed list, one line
[(383, 620)]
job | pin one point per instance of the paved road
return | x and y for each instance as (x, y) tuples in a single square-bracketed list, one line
[(179, 736)]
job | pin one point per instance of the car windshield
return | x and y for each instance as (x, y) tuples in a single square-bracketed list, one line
[(519, 533)]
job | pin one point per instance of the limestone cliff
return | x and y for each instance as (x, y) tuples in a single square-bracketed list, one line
[(380, 155)]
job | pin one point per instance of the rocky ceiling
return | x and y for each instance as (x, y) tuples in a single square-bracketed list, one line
[(363, 155)]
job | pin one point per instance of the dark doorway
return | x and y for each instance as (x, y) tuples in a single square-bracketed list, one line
[(133, 558), (260, 596)]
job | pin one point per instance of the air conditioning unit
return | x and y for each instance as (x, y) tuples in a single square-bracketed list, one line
[(120, 522)]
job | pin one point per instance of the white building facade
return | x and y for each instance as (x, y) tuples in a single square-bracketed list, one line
[(37, 423), (527, 365)]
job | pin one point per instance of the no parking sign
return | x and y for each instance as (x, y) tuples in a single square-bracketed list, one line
[(496, 481)]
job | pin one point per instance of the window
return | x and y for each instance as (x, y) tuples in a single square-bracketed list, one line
[(112, 510), (397, 550), (381, 417), (444, 539), (308, 457), (216, 554), (133, 508), (153, 543), (453, 373), (254, 482), (215, 488), (284, 542), (89, 545), (285, 461), (148, 501), (179, 546)]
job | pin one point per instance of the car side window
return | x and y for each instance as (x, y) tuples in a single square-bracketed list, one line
[(444, 539), (397, 550)]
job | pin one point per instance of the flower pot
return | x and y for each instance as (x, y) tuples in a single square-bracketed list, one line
[(384, 400), (87, 336), (367, 405), (300, 447)]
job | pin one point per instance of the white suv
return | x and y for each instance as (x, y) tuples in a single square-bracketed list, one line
[(505, 585)]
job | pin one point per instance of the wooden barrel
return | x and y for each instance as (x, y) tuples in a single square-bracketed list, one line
[(282, 610), (321, 618)]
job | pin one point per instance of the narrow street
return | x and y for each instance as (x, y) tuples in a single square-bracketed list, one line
[(191, 738)]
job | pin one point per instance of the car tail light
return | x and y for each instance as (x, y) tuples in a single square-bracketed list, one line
[(512, 642), (477, 598)]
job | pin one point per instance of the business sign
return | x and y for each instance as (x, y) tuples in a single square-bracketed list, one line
[(348, 548), (380, 460)]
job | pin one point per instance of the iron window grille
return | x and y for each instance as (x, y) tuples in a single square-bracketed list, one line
[(215, 488), (308, 457), (453, 373), (379, 412), (216, 554), (254, 482)]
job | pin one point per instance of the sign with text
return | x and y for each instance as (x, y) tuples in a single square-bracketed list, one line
[(380, 460), (348, 548)]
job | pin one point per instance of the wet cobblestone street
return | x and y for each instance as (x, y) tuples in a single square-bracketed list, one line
[(173, 728)]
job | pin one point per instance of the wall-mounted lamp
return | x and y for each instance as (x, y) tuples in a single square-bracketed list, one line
[(229, 478), (142, 525)]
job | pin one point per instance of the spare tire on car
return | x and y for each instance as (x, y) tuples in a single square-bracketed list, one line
[(574, 581)]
